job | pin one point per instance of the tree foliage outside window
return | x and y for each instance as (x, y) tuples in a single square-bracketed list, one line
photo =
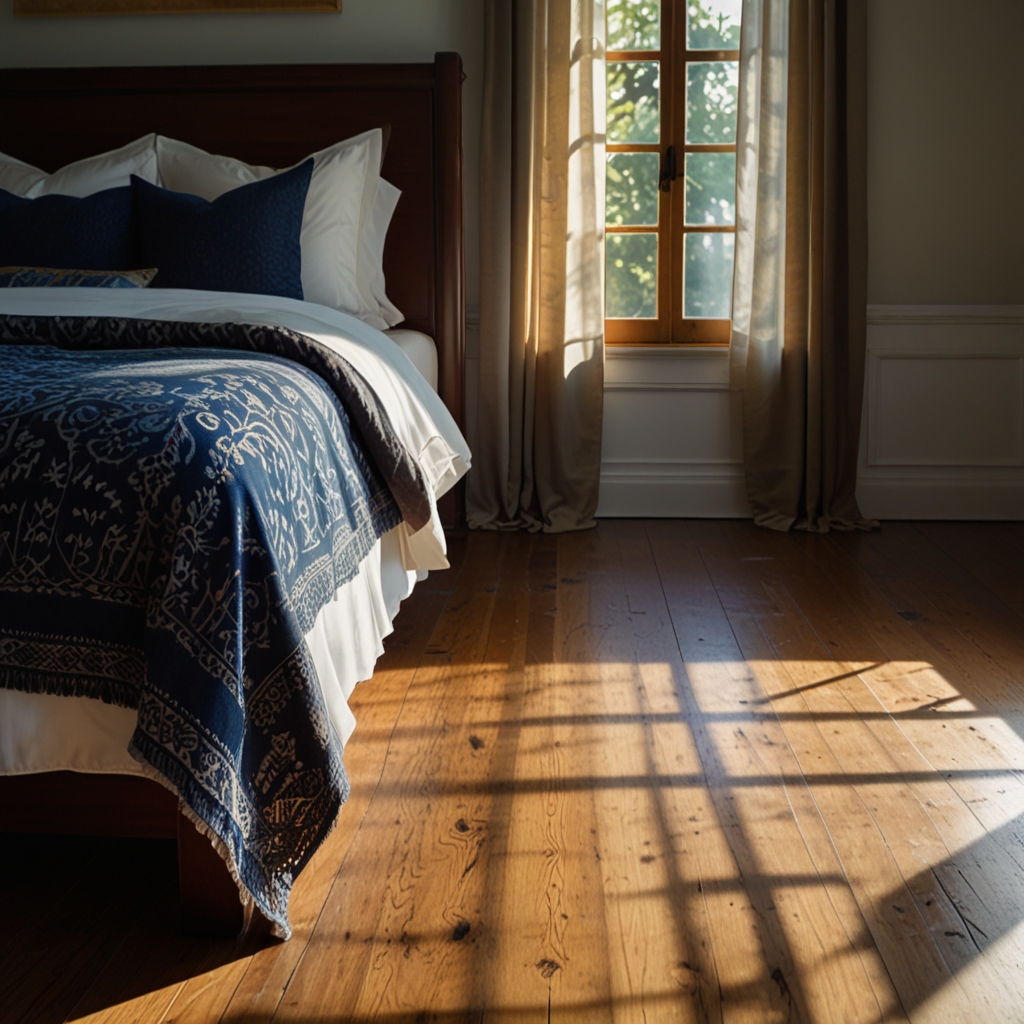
[(631, 193), (631, 278), (713, 24), (633, 25), (645, 222), (633, 114), (711, 97)]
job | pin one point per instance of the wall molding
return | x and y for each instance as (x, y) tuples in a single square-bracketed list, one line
[(943, 425), (663, 385), (1006, 449), (666, 351), (944, 315), (671, 469)]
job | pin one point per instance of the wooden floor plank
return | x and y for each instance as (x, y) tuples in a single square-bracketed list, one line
[(946, 891), (793, 672), (663, 771), (662, 962), (1010, 534), (971, 633), (549, 959), (959, 715), (398, 918), (999, 566), (512, 987), (815, 923)]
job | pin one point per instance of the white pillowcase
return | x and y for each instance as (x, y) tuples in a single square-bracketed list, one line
[(348, 210), (84, 177), (371, 252)]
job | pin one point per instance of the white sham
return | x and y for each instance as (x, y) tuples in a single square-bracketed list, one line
[(84, 177), (348, 210)]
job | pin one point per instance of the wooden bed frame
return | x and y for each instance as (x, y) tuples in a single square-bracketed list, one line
[(272, 115)]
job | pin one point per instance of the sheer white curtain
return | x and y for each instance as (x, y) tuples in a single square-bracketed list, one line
[(538, 447)]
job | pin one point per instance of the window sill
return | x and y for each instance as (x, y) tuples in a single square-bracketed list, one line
[(613, 350), (666, 368)]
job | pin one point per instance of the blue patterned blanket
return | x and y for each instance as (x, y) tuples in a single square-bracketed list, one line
[(177, 503)]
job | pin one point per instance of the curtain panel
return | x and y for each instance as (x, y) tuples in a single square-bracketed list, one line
[(537, 452), (800, 280)]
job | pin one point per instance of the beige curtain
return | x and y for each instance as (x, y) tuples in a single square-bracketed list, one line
[(537, 449), (799, 297)]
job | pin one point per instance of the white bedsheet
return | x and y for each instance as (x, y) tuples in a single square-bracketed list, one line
[(41, 732)]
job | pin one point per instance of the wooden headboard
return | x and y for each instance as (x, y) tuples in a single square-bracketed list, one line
[(275, 115)]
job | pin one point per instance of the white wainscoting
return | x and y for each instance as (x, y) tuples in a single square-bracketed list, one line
[(943, 430), (942, 433), (672, 438)]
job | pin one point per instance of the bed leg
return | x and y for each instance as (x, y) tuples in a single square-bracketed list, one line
[(207, 895)]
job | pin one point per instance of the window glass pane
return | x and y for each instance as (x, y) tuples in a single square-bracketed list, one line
[(631, 276), (631, 195), (633, 101), (711, 87), (710, 188), (707, 274), (633, 24), (713, 24)]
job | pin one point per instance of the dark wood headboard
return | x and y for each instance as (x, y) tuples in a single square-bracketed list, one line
[(275, 115)]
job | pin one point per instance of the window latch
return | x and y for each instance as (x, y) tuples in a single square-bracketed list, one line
[(668, 170)]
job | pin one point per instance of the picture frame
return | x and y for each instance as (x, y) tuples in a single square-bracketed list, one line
[(57, 8)]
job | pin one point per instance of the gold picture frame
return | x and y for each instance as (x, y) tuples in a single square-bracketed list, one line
[(56, 8)]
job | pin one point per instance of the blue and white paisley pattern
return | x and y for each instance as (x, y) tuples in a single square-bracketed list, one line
[(46, 277), (171, 523)]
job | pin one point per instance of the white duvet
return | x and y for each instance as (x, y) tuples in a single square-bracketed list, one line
[(39, 732)]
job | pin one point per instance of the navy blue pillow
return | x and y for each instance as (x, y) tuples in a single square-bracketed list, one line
[(246, 240), (93, 233)]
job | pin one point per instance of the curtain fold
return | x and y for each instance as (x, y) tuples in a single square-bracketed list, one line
[(537, 452), (800, 283)]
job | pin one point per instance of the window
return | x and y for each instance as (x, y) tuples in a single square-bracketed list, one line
[(673, 68)]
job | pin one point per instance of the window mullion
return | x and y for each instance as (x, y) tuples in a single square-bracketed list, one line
[(677, 217), (631, 188)]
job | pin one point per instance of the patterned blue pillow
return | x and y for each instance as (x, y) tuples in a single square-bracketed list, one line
[(45, 277), (93, 233), (247, 240)]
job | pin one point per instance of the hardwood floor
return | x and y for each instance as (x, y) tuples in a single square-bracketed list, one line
[(660, 771)]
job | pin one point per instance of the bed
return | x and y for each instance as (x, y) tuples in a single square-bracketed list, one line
[(64, 763)]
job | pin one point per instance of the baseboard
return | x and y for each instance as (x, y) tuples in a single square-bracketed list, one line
[(693, 490), (941, 499)]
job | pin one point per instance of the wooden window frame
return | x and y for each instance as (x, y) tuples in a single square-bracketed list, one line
[(670, 327)]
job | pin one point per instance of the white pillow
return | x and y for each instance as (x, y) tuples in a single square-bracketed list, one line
[(84, 177), (371, 253), (343, 225)]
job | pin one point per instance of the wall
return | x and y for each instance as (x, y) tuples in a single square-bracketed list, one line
[(366, 31), (943, 432), (946, 152), (943, 429)]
